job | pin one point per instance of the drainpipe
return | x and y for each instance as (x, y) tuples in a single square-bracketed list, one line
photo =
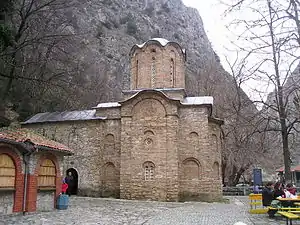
[(26, 158), (30, 149)]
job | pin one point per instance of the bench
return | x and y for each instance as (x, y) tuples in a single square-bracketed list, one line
[(289, 216), (284, 209)]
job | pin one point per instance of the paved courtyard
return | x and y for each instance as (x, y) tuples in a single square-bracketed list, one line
[(92, 211)]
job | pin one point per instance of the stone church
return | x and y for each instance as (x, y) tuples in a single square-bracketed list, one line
[(155, 144)]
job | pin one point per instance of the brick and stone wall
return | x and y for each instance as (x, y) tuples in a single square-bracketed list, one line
[(149, 127), (197, 157), (45, 200), (7, 202), (96, 146)]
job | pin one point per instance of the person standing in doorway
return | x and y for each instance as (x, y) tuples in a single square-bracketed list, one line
[(64, 187), (70, 181)]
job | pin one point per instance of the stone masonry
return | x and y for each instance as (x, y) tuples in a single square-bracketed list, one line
[(155, 144)]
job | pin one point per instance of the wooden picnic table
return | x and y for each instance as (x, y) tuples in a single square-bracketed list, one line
[(289, 202), (294, 200)]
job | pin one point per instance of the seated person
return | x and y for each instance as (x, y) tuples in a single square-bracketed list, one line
[(291, 189), (267, 194), (278, 190)]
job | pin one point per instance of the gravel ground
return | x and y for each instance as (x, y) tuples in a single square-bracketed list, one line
[(92, 211)]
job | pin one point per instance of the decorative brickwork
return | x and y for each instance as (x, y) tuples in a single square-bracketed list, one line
[(155, 66)]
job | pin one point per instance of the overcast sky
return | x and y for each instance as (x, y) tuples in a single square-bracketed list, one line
[(212, 14)]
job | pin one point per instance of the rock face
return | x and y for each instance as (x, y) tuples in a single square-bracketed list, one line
[(155, 144), (111, 28)]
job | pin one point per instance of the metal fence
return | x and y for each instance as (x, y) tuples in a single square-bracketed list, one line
[(237, 191)]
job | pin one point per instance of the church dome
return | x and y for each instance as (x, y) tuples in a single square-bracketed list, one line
[(157, 64)]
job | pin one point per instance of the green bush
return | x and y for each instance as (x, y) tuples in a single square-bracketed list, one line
[(131, 27), (176, 36), (149, 10), (99, 31), (125, 19)]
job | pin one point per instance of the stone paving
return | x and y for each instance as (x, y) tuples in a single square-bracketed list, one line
[(92, 211)]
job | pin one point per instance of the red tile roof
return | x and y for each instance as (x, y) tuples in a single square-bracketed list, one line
[(293, 168), (22, 135)]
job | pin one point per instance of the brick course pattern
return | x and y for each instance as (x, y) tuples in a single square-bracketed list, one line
[(151, 146)]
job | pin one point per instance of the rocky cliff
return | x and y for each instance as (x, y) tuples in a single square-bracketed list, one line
[(106, 30), (102, 33)]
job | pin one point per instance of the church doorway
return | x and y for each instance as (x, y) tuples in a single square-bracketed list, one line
[(73, 186)]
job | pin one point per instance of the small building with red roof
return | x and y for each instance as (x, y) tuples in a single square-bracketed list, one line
[(30, 171)]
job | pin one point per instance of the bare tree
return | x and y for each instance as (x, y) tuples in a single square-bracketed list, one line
[(270, 43), (240, 132), (39, 67)]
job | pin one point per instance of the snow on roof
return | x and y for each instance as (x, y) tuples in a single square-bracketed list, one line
[(204, 100), (63, 116), (162, 41), (107, 105)]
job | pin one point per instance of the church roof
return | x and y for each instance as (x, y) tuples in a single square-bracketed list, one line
[(64, 116), (22, 135), (203, 100), (107, 105)]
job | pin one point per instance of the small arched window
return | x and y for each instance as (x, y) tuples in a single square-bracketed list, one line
[(7, 172), (47, 174), (136, 73), (149, 171), (172, 72)]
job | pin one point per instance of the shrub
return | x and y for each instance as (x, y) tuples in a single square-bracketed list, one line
[(176, 36), (131, 27), (149, 11), (99, 31)]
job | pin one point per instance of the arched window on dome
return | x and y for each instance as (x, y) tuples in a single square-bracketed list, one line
[(136, 73), (153, 72), (172, 68), (172, 72)]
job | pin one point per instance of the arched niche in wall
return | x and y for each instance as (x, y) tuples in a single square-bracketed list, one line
[(109, 144), (193, 140), (215, 142), (110, 175), (216, 169), (191, 169), (148, 109)]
